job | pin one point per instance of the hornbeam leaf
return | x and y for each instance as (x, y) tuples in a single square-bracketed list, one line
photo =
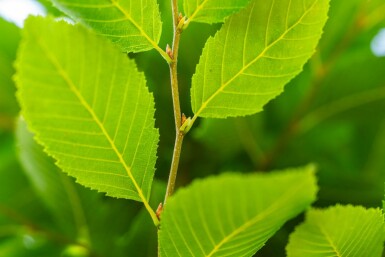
[(134, 25), (212, 11), (233, 214), (89, 106), (253, 56), (343, 231)]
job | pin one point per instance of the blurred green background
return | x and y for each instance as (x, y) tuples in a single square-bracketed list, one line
[(333, 114)]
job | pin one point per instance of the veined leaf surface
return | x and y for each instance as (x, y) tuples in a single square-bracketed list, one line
[(211, 11), (254, 55), (89, 106), (133, 25), (233, 214), (343, 231)]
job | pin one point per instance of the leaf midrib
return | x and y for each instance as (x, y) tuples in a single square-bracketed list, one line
[(254, 220), (129, 17), (197, 10), (330, 241), (222, 87), (83, 102)]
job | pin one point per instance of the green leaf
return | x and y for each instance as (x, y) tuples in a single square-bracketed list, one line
[(211, 11), (49, 8), (55, 189), (140, 240), (133, 25), (28, 245), (233, 214), (72, 207), (383, 205), (239, 134), (342, 231), (336, 118), (10, 37), (89, 106), (254, 55)]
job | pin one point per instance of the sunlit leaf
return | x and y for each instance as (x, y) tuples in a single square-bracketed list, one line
[(211, 11), (72, 207), (343, 231), (233, 214), (89, 106), (133, 25), (254, 55)]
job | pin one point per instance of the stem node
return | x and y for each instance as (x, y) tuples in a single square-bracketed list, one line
[(159, 210), (169, 52)]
